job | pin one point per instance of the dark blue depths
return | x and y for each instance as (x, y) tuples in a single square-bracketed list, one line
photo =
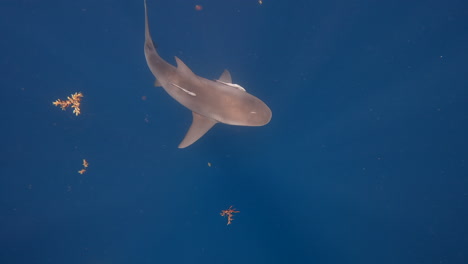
[(364, 161)]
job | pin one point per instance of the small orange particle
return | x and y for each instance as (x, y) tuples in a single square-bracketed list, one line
[(143, 98), (229, 213), (85, 165), (198, 7)]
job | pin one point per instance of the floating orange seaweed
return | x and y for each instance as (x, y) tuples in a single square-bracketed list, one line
[(229, 213), (85, 165), (73, 102)]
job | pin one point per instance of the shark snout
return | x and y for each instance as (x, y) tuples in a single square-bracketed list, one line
[(260, 117)]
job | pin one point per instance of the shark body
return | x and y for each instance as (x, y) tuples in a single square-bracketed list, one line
[(211, 102)]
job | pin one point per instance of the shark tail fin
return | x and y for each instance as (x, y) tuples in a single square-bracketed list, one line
[(147, 30)]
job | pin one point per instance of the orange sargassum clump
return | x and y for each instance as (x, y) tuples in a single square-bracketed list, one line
[(73, 101), (229, 213), (85, 165)]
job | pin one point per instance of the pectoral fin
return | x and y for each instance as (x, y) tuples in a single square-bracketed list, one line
[(200, 125)]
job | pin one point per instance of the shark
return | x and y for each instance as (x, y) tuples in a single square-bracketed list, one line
[(211, 101)]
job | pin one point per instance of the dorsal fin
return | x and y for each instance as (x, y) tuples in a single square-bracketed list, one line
[(200, 125), (182, 67), (226, 77)]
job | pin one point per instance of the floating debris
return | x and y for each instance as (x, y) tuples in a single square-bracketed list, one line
[(73, 102), (229, 213), (85, 165)]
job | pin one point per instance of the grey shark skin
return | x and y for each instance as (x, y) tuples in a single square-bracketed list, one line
[(210, 101)]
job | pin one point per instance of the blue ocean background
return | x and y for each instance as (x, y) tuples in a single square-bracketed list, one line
[(364, 161)]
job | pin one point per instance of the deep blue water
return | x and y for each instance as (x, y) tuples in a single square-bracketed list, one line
[(364, 161)]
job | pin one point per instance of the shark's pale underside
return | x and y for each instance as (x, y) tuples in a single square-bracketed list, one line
[(210, 101)]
